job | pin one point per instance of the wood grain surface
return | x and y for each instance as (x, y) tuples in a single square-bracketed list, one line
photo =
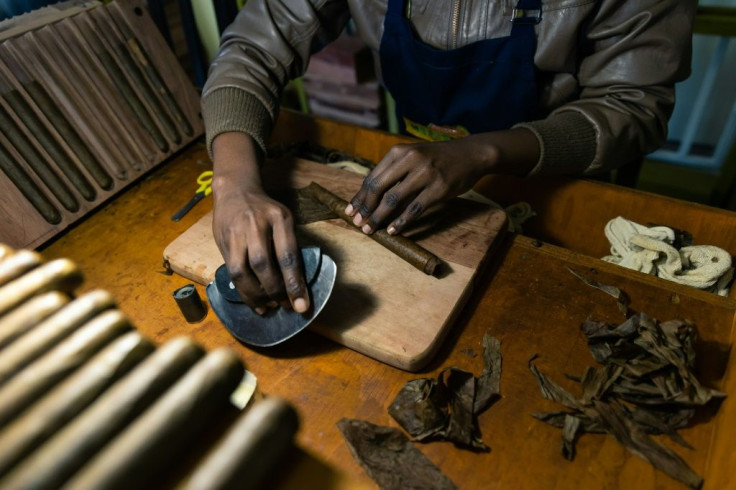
[(526, 297), (91, 97), (381, 306)]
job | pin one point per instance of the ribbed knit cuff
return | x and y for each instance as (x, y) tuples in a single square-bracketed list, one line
[(233, 109), (567, 142)]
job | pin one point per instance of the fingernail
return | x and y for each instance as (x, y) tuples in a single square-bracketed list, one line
[(357, 220), (391, 230), (367, 229), (349, 209), (260, 310), (300, 305)]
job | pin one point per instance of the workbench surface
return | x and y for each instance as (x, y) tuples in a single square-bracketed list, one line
[(526, 297)]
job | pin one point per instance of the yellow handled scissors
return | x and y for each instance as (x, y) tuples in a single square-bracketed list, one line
[(205, 189)]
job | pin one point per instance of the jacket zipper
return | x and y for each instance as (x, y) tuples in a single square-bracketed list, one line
[(455, 22)]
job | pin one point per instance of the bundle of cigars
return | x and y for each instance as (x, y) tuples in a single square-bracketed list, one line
[(91, 98), (88, 402)]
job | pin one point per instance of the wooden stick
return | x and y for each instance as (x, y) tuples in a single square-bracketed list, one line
[(67, 399), (152, 443), (51, 465), (52, 330), (416, 255), (250, 450)]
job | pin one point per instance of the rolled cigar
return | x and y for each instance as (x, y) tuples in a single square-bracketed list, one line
[(61, 274), (154, 441), (60, 457), (18, 264), (49, 332), (67, 399), (5, 251), (249, 451), (28, 315), (24, 388), (416, 255)]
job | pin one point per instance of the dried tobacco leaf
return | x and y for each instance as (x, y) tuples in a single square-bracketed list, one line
[(303, 206), (644, 386), (570, 430), (488, 384), (632, 437), (557, 419), (421, 408), (390, 459), (553, 391), (663, 422), (621, 298), (461, 428), (446, 408)]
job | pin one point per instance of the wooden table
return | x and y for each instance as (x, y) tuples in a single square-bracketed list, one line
[(526, 298)]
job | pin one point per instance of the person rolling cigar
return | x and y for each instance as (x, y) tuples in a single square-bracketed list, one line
[(528, 88)]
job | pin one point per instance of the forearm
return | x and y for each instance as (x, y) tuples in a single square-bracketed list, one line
[(268, 44), (514, 151), (236, 165)]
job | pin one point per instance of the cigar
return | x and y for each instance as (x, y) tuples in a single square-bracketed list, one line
[(20, 391), (5, 251), (152, 444), (60, 274), (49, 332), (28, 315), (67, 399), (419, 257), (14, 266), (250, 450), (52, 464)]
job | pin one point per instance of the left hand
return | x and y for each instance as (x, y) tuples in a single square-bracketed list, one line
[(413, 177)]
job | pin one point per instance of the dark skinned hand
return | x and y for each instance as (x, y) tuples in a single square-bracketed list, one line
[(413, 177), (254, 233)]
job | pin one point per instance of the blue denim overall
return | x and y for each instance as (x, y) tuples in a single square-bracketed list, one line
[(484, 86)]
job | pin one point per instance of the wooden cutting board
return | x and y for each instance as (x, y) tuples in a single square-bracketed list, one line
[(381, 306)]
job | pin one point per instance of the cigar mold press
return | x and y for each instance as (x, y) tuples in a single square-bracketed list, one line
[(277, 325), (86, 401), (91, 98)]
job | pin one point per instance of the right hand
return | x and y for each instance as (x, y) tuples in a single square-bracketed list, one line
[(255, 235)]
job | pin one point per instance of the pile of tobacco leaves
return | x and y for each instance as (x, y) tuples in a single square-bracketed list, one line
[(644, 385), (445, 408)]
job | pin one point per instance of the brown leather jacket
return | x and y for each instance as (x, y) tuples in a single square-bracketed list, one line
[(607, 67)]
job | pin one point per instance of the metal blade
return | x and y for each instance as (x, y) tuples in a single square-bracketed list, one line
[(276, 325), (311, 259)]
